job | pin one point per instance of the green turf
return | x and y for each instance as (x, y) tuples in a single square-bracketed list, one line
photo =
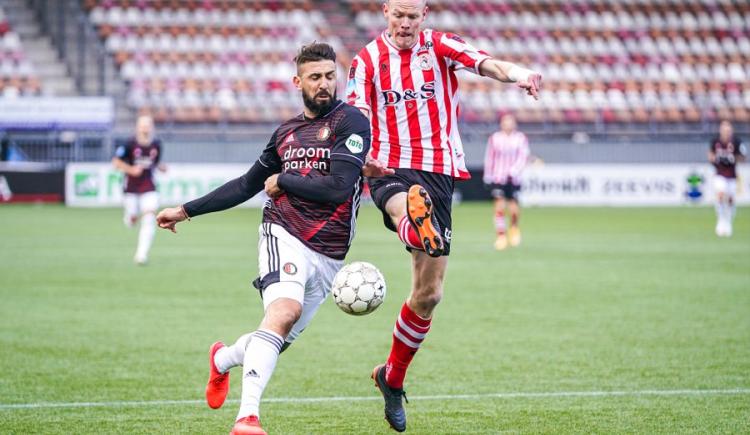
[(602, 299)]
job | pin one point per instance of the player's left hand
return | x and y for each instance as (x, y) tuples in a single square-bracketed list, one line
[(272, 186), (532, 84), (375, 168)]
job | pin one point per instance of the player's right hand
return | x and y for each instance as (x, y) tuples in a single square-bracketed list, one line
[(169, 217), (532, 84)]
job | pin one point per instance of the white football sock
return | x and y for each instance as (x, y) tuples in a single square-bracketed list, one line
[(231, 356), (145, 236), (261, 355)]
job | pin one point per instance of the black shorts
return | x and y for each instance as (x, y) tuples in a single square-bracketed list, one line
[(506, 190), (439, 186)]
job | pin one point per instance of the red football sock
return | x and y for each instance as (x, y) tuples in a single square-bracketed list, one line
[(500, 223), (408, 234), (408, 334)]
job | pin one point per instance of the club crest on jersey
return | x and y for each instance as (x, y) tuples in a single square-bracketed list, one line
[(290, 268), (424, 62), (355, 143), (426, 47), (324, 133)]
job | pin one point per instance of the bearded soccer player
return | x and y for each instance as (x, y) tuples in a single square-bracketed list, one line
[(726, 149), (311, 170), (138, 159), (405, 81)]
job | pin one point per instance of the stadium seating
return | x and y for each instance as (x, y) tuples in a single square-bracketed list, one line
[(602, 60), (17, 75), (196, 61)]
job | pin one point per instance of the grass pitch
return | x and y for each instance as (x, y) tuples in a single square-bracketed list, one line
[(604, 321)]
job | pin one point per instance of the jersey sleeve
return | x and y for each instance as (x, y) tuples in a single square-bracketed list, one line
[(458, 53), (123, 151), (269, 158), (359, 83), (352, 138)]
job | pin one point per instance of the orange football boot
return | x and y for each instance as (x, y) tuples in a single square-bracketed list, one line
[(419, 210)]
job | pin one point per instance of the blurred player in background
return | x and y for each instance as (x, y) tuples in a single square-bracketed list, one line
[(138, 159), (505, 159), (725, 151), (311, 169), (405, 81)]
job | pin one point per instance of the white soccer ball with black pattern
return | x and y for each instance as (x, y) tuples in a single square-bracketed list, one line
[(358, 288)]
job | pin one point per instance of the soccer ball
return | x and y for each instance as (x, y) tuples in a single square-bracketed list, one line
[(358, 288)]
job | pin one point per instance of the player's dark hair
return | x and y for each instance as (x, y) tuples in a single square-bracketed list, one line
[(315, 52)]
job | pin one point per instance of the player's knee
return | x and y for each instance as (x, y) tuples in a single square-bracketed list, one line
[(428, 297), (130, 220), (282, 314)]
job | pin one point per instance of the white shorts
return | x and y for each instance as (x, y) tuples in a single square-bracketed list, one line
[(137, 204), (727, 186), (289, 269)]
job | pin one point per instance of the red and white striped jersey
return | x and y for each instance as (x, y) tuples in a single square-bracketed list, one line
[(412, 98), (506, 157)]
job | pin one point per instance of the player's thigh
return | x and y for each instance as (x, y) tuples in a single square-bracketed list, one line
[(130, 205), (731, 190), (148, 202), (720, 184), (282, 264), (318, 288)]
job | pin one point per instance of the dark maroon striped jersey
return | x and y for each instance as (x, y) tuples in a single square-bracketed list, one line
[(147, 157), (306, 147), (726, 155)]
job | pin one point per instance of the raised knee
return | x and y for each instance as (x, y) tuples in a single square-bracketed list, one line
[(428, 298), (289, 318), (282, 317)]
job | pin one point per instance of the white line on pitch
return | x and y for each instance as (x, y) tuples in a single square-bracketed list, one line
[(125, 404)]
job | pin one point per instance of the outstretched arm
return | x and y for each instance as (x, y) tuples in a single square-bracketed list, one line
[(226, 196), (530, 81)]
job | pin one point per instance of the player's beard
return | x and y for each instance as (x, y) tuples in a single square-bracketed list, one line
[(314, 106)]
